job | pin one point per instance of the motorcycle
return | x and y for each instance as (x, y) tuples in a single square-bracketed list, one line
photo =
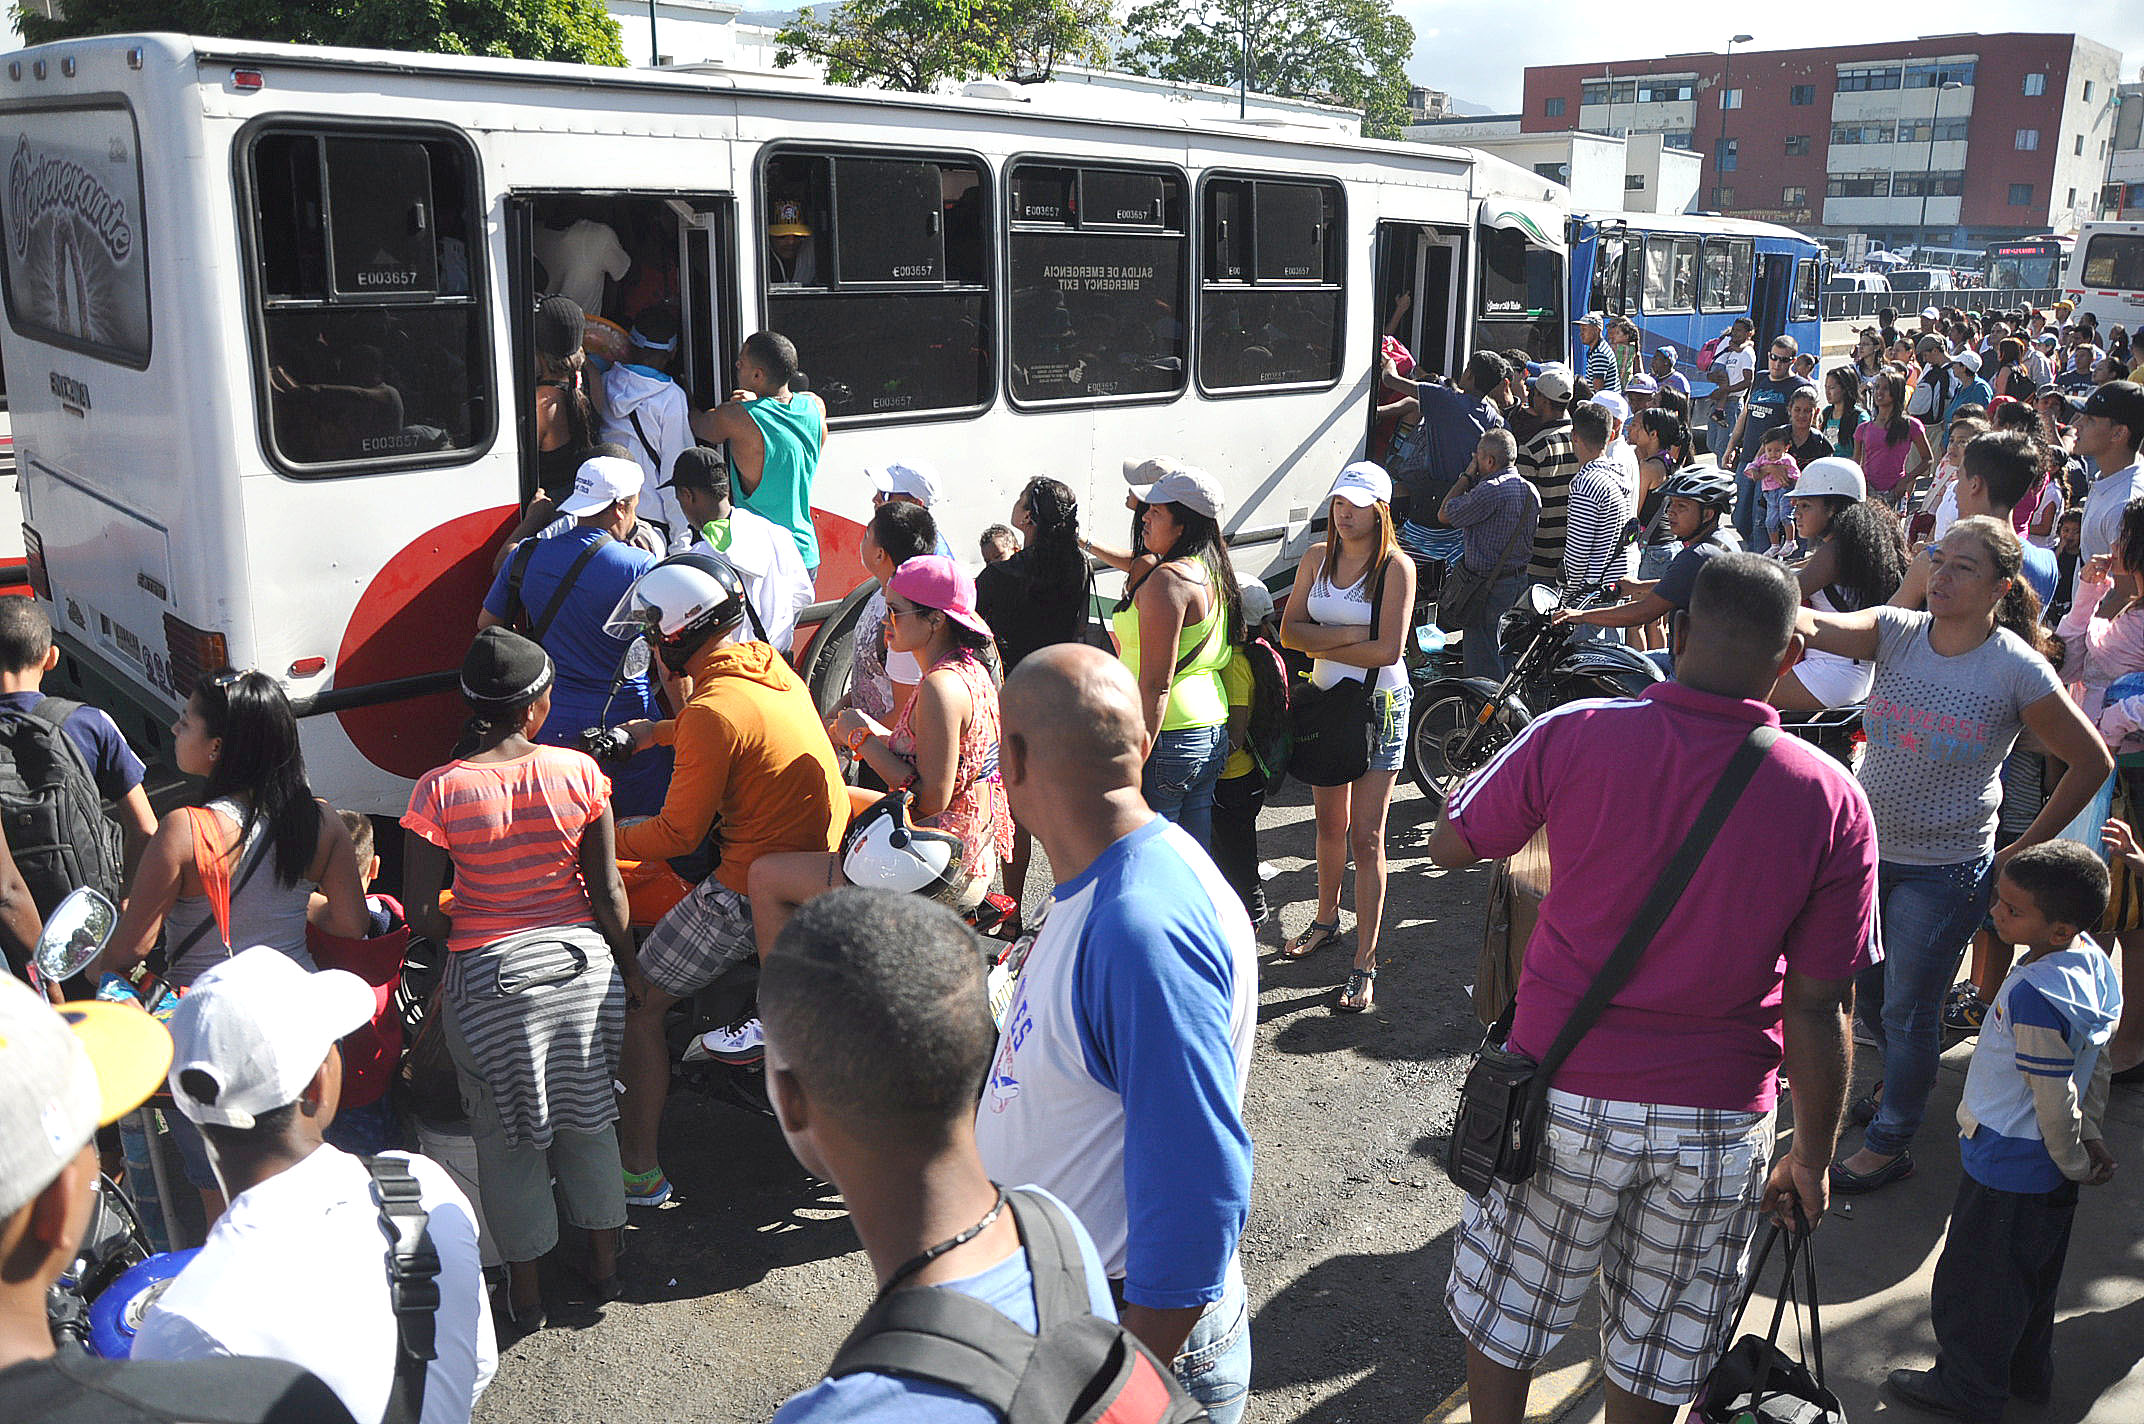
[(1460, 723)]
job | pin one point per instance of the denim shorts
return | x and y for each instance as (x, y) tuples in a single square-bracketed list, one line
[(1390, 710)]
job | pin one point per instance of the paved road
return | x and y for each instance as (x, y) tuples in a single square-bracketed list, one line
[(738, 1292)]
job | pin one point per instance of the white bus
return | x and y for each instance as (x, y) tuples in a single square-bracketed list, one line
[(269, 307), (2106, 274)]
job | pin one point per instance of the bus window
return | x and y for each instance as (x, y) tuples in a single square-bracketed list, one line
[(1671, 274), (372, 344), (1611, 263), (1727, 271), (1097, 263), (887, 296), (1270, 303), (76, 265), (1521, 296), (2114, 260), (1806, 285)]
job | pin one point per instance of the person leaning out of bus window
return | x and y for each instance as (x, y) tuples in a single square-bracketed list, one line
[(775, 435), (1176, 629)]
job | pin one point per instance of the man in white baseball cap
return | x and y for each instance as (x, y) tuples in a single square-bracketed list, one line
[(64, 1073), (1164, 479), (603, 481), (295, 1269), (916, 482)]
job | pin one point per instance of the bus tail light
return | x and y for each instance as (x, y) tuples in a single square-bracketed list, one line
[(194, 654), (246, 80), (33, 553)]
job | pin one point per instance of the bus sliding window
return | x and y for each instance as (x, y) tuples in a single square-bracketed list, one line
[(891, 315), (1097, 260), (1271, 309), (1728, 267), (371, 341)]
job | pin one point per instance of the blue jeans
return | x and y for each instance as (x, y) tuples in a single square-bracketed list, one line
[(1216, 1361), (1478, 642), (1181, 773), (1749, 510), (1929, 913), (1718, 431)]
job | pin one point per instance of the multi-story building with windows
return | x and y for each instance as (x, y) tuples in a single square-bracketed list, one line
[(1946, 141)]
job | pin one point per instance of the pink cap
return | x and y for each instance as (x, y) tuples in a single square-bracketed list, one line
[(935, 581)]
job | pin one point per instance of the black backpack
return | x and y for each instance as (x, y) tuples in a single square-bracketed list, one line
[(51, 809), (1080, 1368)]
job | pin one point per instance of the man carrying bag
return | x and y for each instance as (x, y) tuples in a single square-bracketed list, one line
[(1638, 1079)]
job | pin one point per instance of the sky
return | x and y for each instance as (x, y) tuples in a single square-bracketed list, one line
[(1478, 50)]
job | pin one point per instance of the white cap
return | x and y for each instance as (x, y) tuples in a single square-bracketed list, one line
[(602, 481), (1164, 479), (1930, 312), (1613, 403), (1256, 598), (260, 1027), (910, 477), (1593, 319), (1833, 474), (63, 1073), (1362, 484), (1968, 359), (1556, 383)]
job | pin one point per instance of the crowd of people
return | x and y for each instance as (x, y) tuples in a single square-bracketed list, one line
[(1934, 533)]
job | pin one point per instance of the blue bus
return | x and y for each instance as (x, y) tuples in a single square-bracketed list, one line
[(1684, 278)]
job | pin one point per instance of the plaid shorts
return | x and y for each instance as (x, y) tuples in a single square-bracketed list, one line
[(704, 934), (1659, 1202)]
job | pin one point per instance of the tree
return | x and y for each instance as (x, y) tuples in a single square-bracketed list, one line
[(916, 44), (579, 31), (1350, 52)]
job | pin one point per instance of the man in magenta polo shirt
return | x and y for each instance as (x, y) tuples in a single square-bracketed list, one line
[(1657, 1158)]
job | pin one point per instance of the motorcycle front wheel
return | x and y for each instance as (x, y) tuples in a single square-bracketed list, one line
[(1450, 739)]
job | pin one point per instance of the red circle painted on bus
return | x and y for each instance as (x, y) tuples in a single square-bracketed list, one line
[(417, 616)]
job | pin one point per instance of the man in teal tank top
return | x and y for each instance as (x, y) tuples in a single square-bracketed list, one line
[(775, 436)]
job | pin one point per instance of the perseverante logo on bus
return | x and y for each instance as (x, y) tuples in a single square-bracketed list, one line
[(38, 186)]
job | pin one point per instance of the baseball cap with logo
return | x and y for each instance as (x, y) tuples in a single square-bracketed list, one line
[(1362, 484), (789, 220), (603, 480), (64, 1073), (1164, 479), (257, 1027), (913, 478), (2119, 401)]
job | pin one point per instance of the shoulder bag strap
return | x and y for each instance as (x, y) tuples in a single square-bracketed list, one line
[(1510, 543), (412, 1283), (1053, 1259), (542, 625), (640, 433), (1666, 891), (515, 573), (1219, 614)]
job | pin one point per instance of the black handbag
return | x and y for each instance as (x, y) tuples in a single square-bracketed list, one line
[(1466, 589), (1504, 1101), (1333, 729), (1756, 1382)]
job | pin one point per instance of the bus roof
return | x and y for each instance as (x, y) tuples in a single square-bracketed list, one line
[(1500, 176), (1697, 224)]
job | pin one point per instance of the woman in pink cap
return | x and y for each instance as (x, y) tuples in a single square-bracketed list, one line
[(943, 748)]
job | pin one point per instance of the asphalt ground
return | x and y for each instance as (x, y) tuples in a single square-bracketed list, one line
[(738, 1292)]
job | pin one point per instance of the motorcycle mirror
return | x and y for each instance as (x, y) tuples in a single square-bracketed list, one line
[(75, 933), (1542, 599)]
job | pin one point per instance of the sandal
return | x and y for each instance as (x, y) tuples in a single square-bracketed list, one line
[(1360, 983), (1312, 938)]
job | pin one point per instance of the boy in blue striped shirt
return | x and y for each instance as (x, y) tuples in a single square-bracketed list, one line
[(2029, 1134)]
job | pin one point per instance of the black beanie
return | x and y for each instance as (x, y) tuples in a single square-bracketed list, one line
[(504, 669), (560, 327)]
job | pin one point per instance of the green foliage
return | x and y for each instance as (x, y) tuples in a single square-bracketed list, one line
[(1350, 52), (913, 45), (569, 30)]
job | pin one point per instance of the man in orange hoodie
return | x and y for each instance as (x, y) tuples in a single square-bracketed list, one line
[(755, 773)]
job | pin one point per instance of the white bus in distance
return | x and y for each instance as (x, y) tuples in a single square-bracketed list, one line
[(269, 315), (2105, 275)]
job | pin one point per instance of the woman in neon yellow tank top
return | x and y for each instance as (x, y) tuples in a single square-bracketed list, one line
[(1186, 604)]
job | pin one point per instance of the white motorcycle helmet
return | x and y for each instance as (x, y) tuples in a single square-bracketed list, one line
[(882, 851), (679, 604)]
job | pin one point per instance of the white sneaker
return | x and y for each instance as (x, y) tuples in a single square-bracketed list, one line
[(746, 1043)]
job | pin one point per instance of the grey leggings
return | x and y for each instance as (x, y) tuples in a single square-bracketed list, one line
[(515, 1181)]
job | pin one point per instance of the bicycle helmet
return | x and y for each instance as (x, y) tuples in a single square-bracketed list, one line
[(1702, 483), (883, 851), (679, 605)]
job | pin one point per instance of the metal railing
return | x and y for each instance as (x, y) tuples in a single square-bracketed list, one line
[(1846, 306)]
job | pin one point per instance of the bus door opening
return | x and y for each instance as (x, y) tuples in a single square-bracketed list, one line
[(1419, 274), (652, 278), (1769, 301)]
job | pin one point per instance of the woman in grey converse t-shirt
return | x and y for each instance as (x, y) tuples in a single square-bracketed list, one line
[(1953, 686)]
